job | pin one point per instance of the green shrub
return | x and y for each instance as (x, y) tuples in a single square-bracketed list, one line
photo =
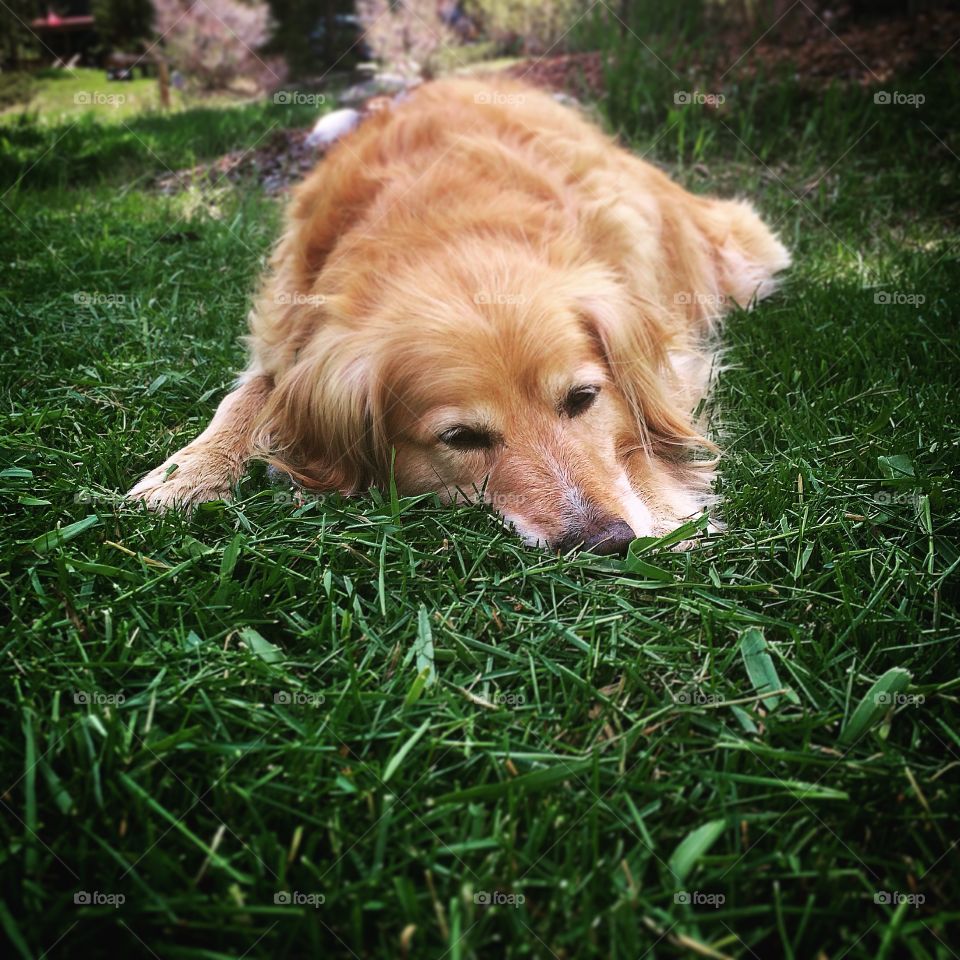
[(526, 26), (16, 88)]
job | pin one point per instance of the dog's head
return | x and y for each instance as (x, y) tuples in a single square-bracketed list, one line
[(545, 392)]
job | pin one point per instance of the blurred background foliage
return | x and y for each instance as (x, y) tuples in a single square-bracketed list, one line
[(417, 37)]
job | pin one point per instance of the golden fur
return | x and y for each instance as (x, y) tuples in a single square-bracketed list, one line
[(472, 264)]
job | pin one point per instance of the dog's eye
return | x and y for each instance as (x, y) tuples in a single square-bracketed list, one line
[(466, 438), (579, 400)]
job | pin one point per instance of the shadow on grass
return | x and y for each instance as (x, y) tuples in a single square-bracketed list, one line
[(83, 151)]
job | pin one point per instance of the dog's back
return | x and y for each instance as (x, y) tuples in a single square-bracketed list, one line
[(461, 159)]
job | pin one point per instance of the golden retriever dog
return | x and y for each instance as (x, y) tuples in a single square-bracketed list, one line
[(478, 290)]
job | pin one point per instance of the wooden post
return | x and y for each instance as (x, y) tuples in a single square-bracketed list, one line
[(163, 80)]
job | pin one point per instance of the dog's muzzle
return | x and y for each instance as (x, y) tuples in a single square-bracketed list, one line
[(606, 539)]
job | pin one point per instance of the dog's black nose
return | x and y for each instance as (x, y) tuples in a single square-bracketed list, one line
[(612, 539), (607, 540)]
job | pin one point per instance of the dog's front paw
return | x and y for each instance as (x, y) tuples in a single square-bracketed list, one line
[(188, 478)]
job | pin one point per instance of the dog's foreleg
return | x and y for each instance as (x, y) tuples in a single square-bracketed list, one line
[(207, 468)]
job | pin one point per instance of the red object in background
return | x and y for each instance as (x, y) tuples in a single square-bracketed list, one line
[(52, 22)]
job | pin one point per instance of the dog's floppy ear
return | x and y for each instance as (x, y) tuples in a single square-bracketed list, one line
[(638, 351), (321, 424)]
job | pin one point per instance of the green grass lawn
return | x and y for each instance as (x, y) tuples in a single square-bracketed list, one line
[(381, 728), (59, 95), (57, 141)]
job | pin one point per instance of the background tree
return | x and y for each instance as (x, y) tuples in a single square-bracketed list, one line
[(313, 35), (123, 24), (15, 37), (405, 35), (216, 43), (527, 26)]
